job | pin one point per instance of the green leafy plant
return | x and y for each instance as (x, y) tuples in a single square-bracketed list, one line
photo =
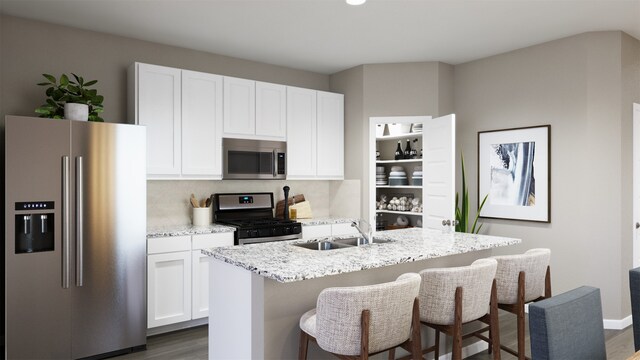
[(462, 211), (68, 90)]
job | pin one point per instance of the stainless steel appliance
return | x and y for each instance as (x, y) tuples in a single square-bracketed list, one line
[(254, 159), (75, 238), (252, 216)]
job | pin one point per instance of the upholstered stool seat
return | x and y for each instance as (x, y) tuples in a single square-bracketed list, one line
[(451, 297), (521, 279), (355, 322)]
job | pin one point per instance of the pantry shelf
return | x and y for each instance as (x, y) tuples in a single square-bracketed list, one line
[(399, 212)]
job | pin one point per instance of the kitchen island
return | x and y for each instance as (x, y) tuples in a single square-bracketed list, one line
[(258, 292)]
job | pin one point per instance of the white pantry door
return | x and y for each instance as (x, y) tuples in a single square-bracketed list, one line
[(636, 185), (439, 143)]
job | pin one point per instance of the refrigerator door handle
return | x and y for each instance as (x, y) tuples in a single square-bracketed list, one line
[(79, 221), (65, 221)]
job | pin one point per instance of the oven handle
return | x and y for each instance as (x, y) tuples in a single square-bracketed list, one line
[(269, 239)]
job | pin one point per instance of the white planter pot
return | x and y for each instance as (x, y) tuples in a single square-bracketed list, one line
[(76, 111)]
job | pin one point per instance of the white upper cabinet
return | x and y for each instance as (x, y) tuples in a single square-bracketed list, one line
[(271, 110), (330, 135), (157, 106), (182, 111), (301, 133), (239, 107), (201, 125), (315, 134)]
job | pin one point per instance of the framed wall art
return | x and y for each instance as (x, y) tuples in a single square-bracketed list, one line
[(514, 173)]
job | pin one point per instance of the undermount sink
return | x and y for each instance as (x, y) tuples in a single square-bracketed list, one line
[(323, 245), (344, 243)]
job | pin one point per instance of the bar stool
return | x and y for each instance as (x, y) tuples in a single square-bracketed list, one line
[(521, 279), (355, 322), (451, 297)]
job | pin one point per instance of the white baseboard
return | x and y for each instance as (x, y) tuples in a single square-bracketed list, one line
[(617, 324)]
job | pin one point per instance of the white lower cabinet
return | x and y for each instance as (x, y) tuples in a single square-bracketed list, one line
[(178, 277)]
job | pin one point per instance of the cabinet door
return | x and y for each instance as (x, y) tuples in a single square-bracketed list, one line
[(439, 142), (316, 231), (271, 111), (330, 128), (168, 288), (201, 124), (158, 97), (301, 133), (200, 272), (239, 107)]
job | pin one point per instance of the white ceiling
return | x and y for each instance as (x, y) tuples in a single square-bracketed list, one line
[(328, 36)]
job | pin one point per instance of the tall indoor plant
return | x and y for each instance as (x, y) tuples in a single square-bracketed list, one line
[(462, 211), (70, 91)]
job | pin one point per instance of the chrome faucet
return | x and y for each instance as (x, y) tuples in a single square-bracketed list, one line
[(368, 235)]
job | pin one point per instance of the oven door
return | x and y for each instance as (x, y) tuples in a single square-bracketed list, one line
[(259, 240), (253, 159)]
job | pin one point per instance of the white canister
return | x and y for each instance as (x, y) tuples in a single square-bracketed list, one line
[(201, 216)]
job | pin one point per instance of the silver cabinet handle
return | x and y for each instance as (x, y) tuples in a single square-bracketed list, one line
[(65, 222), (446, 222), (79, 215)]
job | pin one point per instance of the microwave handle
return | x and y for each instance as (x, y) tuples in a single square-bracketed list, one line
[(274, 156)]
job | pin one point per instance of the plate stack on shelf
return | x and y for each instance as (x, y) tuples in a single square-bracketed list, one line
[(416, 128), (381, 177), (416, 177), (397, 176)]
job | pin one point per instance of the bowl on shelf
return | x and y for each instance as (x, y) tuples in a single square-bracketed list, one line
[(416, 181), (398, 181), (399, 129)]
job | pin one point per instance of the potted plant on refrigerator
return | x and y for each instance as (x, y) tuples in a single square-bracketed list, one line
[(71, 99)]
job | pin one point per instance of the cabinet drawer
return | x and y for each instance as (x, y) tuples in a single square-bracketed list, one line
[(168, 244), (205, 241)]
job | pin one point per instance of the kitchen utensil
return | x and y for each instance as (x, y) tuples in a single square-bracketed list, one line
[(193, 201), (203, 203), (208, 202), (286, 202)]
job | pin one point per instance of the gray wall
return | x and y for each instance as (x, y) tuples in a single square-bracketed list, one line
[(584, 87), (421, 88), (30, 48)]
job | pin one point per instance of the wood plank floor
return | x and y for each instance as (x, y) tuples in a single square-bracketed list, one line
[(192, 344)]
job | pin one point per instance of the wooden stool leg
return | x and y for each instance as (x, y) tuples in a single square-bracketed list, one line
[(304, 343), (457, 327), (392, 354), (494, 322), (416, 339), (436, 350)]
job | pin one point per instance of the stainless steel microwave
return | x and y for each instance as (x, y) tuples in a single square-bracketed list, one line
[(254, 159)]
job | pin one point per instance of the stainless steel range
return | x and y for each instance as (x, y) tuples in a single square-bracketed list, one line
[(252, 216)]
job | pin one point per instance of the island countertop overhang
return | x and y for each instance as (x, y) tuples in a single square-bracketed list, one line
[(284, 262)]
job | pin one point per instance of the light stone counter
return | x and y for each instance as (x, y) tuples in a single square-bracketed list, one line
[(258, 292), (326, 221), (179, 230), (285, 262)]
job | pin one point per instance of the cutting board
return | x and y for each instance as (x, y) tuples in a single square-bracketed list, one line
[(280, 204), (303, 210)]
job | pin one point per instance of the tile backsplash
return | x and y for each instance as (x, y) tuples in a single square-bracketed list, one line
[(168, 200)]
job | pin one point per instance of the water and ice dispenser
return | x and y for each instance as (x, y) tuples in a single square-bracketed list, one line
[(34, 226)]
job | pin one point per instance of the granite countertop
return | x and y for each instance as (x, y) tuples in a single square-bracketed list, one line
[(179, 230), (284, 262), (326, 221)]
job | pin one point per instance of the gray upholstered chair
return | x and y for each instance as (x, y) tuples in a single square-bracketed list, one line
[(568, 326), (451, 297), (521, 279), (355, 322), (634, 286)]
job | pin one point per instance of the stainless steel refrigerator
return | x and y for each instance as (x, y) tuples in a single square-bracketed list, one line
[(75, 238)]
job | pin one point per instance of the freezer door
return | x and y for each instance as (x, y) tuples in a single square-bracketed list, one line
[(37, 309), (109, 298)]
